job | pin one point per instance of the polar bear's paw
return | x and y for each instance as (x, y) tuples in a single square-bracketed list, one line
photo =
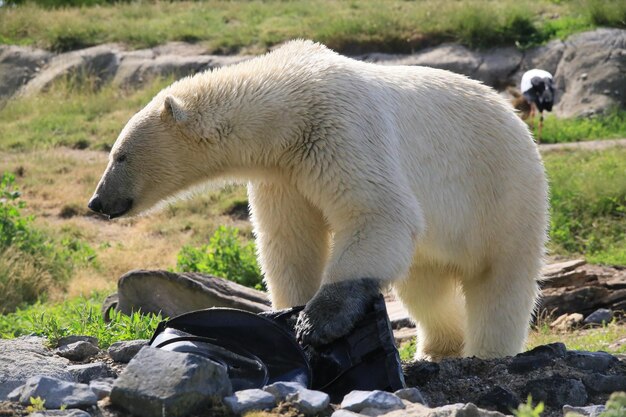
[(334, 310)]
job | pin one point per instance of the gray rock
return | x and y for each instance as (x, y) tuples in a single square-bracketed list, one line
[(172, 294), (451, 57), (99, 62), (124, 351), (582, 55), (557, 391), (452, 410), (359, 400), (567, 322), (102, 387), (546, 57), (90, 371), (73, 339), (60, 413), (310, 402), (78, 351), (345, 413), (498, 66), (600, 316), (57, 393), (590, 361), (589, 411), (604, 383), (413, 395), (157, 382), (281, 390), (18, 65), (500, 398), (249, 399), (26, 357)]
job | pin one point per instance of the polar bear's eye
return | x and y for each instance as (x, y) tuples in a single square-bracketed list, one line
[(120, 158)]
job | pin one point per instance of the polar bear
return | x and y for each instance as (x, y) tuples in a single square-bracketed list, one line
[(359, 176)]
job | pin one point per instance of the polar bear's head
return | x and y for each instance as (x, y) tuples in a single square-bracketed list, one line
[(154, 158)]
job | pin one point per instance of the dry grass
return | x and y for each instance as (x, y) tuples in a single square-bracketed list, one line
[(60, 181)]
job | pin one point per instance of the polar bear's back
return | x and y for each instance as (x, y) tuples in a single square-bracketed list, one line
[(470, 160)]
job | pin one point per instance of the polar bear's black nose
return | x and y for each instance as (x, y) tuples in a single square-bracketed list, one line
[(95, 204)]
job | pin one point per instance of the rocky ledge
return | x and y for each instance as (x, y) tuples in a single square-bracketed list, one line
[(588, 67), (78, 379)]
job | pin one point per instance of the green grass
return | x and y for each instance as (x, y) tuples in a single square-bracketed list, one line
[(73, 114), (399, 26), (609, 126), (76, 114), (588, 204), (79, 316)]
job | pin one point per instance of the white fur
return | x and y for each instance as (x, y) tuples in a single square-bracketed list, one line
[(413, 175)]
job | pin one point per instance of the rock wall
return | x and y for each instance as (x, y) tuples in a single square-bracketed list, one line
[(589, 67)]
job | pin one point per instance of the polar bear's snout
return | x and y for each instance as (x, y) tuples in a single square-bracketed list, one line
[(112, 209)]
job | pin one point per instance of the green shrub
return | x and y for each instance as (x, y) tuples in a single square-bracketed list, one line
[(31, 262), (225, 256), (79, 316)]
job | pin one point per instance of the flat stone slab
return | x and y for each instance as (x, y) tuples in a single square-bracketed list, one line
[(25, 357)]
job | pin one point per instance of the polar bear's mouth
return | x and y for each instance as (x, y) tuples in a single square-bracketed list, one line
[(123, 209), (117, 209)]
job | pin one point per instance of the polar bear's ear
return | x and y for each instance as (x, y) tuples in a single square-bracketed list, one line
[(174, 108)]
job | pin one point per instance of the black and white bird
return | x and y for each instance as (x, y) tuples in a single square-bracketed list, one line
[(538, 91)]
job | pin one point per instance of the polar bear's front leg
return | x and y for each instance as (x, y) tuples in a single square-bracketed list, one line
[(366, 253), (292, 240)]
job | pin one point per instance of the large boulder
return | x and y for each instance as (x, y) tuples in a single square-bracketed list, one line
[(18, 65), (590, 76), (99, 62), (171, 293)]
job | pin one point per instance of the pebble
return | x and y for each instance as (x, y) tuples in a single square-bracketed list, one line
[(78, 351), (590, 361), (249, 399), (281, 390), (605, 383), (310, 402), (600, 316), (102, 387), (413, 395), (124, 351), (345, 413), (67, 340), (499, 398), (60, 413), (359, 400), (589, 411), (90, 371), (557, 391)]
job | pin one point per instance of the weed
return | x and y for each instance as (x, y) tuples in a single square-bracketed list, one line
[(79, 316), (528, 410), (36, 404)]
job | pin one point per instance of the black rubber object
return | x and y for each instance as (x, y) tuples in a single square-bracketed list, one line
[(258, 350)]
